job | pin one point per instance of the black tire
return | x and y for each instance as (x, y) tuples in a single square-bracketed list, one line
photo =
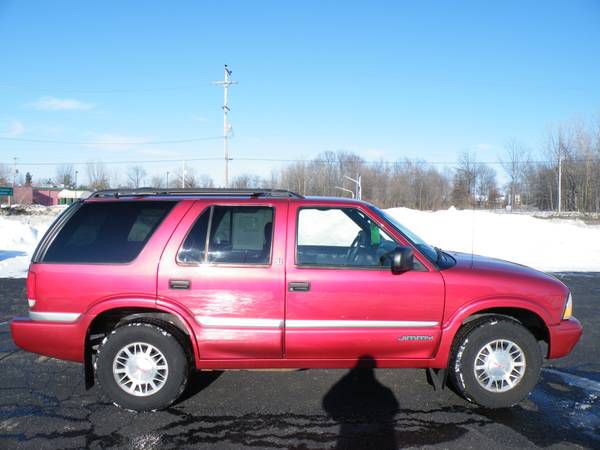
[(164, 339), (471, 339)]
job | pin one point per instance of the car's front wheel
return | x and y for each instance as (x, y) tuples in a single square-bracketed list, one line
[(142, 366), (495, 362)]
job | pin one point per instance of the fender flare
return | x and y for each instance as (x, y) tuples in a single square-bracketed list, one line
[(131, 302), (451, 326)]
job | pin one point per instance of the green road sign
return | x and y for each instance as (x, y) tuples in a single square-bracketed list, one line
[(6, 190)]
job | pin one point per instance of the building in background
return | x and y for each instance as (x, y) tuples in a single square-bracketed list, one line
[(68, 196), (38, 195)]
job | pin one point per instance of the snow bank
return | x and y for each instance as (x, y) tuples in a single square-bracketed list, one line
[(19, 236), (551, 245)]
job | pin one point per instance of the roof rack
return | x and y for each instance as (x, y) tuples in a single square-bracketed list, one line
[(201, 192)]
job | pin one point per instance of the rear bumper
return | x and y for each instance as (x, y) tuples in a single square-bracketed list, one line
[(55, 339), (563, 337)]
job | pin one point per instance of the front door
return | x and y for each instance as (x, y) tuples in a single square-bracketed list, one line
[(343, 301), (225, 267)]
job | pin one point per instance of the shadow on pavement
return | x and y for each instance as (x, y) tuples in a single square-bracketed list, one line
[(199, 380), (363, 407)]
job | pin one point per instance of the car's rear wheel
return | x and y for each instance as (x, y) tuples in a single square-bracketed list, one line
[(495, 362), (142, 366)]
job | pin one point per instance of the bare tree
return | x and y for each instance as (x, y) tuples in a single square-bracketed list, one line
[(157, 181), (98, 177), (247, 181), (4, 175), (191, 180), (486, 187), (136, 176), (65, 175), (464, 182), (205, 181), (514, 163)]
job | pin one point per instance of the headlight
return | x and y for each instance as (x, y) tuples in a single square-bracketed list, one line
[(568, 308)]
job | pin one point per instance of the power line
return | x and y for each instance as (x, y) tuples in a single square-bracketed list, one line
[(60, 141), (406, 162), (148, 161), (290, 160), (14, 87)]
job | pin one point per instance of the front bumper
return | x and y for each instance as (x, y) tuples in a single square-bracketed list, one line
[(563, 337), (54, 339)]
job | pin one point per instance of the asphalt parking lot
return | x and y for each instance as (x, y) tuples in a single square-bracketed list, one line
[(43, 403)]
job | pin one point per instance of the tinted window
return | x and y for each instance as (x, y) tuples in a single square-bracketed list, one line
[(107, 232), (342, 237), (241, 234), (238, 235)]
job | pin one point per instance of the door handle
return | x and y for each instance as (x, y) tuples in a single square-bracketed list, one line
[(299, 286), (179, 284)]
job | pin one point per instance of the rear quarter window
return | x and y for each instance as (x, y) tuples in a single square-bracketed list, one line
[(107, 232)]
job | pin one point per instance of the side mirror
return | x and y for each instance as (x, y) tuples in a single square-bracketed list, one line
[(403, 260)]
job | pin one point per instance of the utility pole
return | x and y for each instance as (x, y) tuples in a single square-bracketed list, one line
[(15, 171), (358, 183), (226, 127), (559, 182), (167, 186), (183, 173)]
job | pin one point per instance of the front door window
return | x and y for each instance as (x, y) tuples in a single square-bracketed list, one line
[(341, 237)]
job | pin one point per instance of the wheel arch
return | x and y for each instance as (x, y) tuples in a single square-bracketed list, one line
[(111, 316), (526, 317), (530, 315)]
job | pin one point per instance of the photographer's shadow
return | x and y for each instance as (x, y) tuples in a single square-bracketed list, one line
[(364, 408)]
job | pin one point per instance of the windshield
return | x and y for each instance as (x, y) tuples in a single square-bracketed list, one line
[(427, 250)]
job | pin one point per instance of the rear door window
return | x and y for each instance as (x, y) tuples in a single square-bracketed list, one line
[(107, 232), (236, 235)]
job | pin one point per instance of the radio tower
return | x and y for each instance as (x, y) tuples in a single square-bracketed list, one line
[(226, 126)]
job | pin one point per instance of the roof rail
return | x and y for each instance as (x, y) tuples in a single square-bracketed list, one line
[(206, 192)]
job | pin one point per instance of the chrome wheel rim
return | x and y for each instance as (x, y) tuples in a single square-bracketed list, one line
[(499, 365), (140, 369)]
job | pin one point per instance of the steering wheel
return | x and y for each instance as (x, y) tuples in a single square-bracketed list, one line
[(353, 249)]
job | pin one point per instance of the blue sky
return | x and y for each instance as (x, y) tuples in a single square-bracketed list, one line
[(384, 79)]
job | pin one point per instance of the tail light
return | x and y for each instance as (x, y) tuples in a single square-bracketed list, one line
[(568, 311), (31, 294)]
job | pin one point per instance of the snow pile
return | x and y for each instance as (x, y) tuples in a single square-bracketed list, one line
[(551, 245), (19, 236)]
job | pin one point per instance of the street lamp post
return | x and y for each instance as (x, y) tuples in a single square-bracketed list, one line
[(358, 184), (345, 190)]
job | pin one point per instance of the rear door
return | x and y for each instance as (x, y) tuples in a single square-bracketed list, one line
[(225, 266), (343, 301)]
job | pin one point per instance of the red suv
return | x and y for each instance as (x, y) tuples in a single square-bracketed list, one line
[(142, 286)]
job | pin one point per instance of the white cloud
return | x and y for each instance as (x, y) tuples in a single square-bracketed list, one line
[(60, 104), (15, 128)]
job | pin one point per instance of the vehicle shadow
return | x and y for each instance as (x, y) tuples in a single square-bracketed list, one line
[(199, 380), (364, 408)]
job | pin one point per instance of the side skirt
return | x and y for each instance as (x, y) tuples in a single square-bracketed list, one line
[(220, 364)]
